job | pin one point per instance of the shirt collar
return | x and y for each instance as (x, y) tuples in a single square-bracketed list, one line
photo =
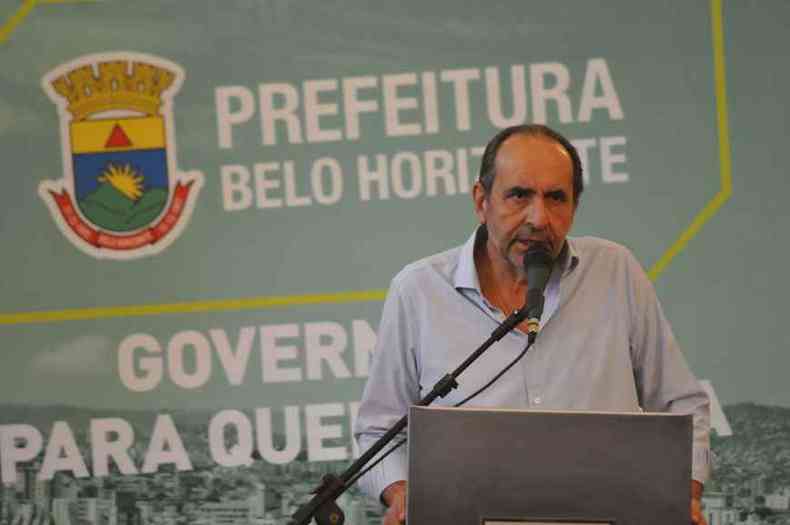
[(466, 271), (569, 256)]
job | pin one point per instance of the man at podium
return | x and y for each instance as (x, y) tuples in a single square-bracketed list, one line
[(604, 343)]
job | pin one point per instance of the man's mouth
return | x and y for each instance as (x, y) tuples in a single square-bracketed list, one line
[(534, 243)]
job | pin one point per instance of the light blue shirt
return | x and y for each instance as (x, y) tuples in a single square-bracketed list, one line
[(604, 345)]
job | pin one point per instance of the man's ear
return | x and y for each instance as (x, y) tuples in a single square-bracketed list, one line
[(480, 199)]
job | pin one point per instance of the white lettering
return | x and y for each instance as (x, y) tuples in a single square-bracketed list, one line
[(263, 185), (293, 436), (430, 102), (331, 192), (324, 343), (62, 454), (494, 97), (597, 73), (150, 367), (460, 79), (542, 93), (582, 148), (226, 117), (18, 443), (394, 105), (104, 447), (285, 114), (364, 340), (354, 106), (318, 432), (274, 354), (236, 192), (609, 159), (399, 175), (378, 176), (293, 200), (238, 454), (439, 167), (201, 358), (234, 363), (314, 110), (165, 447)]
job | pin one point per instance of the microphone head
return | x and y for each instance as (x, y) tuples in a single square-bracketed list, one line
[(538, 263)]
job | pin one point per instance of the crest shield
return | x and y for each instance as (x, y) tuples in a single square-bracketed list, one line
[(120, 171), (121, 196)]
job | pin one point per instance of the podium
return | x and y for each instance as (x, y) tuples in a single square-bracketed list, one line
[(523, 467)]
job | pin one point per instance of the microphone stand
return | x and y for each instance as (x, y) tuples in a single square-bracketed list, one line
[(322, 506)]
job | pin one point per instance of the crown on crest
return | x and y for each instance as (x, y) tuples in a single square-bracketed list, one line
[(115, 87)]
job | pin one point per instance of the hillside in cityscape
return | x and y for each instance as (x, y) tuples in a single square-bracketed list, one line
[(759, 446)]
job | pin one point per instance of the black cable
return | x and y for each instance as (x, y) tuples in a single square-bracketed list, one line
[(379, 460), (500, 374), (464, 401)]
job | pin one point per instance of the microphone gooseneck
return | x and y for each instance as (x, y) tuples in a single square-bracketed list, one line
[(538, 264)]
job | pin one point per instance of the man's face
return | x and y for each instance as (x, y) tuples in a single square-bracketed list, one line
[(531, 200)]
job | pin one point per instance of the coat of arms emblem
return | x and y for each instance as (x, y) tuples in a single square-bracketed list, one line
[(121, 196)]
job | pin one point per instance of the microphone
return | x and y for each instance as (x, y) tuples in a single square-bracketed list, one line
[(538, 263)]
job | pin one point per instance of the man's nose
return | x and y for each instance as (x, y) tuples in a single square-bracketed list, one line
[(537, 214)]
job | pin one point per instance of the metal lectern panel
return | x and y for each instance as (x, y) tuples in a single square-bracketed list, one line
[(472, 466)]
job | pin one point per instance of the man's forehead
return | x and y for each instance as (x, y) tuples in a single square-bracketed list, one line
[(521, 145), (534, 155)]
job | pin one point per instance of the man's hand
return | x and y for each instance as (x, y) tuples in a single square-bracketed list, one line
[(696, 504), (394, 496)]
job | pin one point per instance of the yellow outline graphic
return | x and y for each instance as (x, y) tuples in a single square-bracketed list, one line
[(267, 302), (725, 167), (218, 305), (27, 6), (17, 18)]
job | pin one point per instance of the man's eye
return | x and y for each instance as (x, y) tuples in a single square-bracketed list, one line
[(558, 196), (519, 194)]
